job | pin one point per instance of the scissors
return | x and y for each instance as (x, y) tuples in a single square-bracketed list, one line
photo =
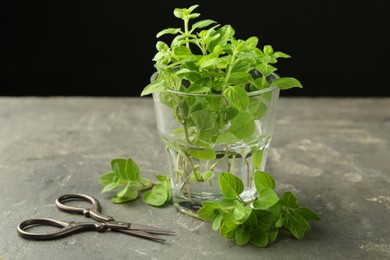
[(104, 223)]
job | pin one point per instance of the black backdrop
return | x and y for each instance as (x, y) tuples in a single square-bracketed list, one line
[(105, 48)]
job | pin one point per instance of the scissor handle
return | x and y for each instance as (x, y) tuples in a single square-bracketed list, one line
[(92, 212), (65, 228)]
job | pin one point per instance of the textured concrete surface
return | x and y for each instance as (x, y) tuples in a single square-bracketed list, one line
[(334, 153)]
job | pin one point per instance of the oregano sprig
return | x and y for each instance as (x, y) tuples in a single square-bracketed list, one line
[(126, 180), (259, 222)]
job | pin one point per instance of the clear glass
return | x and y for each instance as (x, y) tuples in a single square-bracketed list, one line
[(205, 135)]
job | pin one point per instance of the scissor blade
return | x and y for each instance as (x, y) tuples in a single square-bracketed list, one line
[(149, 229), (140, 233)]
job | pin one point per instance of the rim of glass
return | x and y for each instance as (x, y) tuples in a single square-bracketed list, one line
[(250, 94)]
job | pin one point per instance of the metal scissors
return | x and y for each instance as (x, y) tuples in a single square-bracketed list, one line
[(104, 223)]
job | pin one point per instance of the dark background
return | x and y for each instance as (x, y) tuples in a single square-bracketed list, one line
[(105, 48)]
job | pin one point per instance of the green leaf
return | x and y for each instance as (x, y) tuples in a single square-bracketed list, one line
[(260, 237), (161, 46), (228, 227), (179, 12), (122, 192), (286, 83), (251, 42), (217, 222), (307, 213), (226, 32), (231, 186), (265, 218), (296, 224), (279, 223), (226, 203), (162, 178), (237, 96), (242, 125), (131, 171), (207, 175), (208, 210), (181, 51), (156, 86), (146, 183), (263, 181), (168, 31), (202, 24), (257, 159), (206, 154), (204, 120), (227, 138), (192, 8), (279, 54), (240, 78), (128, 196), (240, 213), (257, 108), (219, 62), (266, 69), (242, 236), (252, 220), (157, 197), (110, 186), (289, 199), (267, 198), (108, 178), (272, 235), (268, 50), (260, 83)]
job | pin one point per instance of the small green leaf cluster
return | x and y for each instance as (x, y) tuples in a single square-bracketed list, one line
[(207, 61), (125, 177), (260, 222)]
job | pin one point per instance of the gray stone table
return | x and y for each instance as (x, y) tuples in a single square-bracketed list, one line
[(333, 153)]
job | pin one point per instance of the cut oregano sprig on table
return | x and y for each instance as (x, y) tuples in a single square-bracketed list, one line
[(125, 179), (260, 222)]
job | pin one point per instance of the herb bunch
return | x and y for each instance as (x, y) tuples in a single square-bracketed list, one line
[(257, 223), (205, 58)]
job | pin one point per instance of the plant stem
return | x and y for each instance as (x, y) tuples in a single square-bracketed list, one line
[(241, 200), (232, 165), (186, 32), (231, 63)]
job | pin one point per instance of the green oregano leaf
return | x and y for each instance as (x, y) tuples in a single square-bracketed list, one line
[(157, 197), (289, 199), (168, 31), (287, 83), (267, 198), (231, 186), (205, 154), (242, 236), (155, 86), (296, 224), (110, 186), (107, 178), (263, 181), (217, 222), (207, 211), (203, 23), (242, 125), (129, 195), (260, 237), (307, 213), (237, 96)]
